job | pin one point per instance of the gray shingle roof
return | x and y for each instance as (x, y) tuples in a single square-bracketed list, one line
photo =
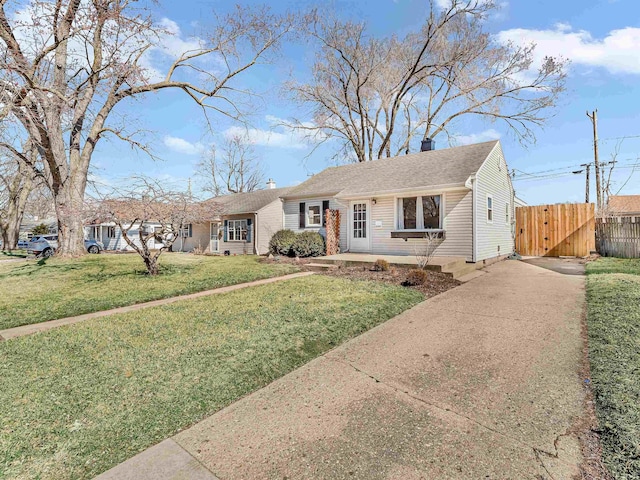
[(451, 166), (250, 202)]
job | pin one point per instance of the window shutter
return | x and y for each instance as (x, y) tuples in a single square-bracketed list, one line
[(249, 228), (225, 230), (190, 231), (301, 222), (325, 207)]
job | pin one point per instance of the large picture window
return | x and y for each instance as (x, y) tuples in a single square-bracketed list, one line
[(237, 230), (419, 213)]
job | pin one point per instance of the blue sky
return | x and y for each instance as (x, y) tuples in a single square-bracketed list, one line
[(600, 37)]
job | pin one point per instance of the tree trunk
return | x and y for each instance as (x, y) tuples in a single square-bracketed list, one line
[(19, 194), (152, 265), (69, 202)]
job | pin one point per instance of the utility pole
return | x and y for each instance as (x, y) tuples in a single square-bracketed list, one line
[(594, 120)]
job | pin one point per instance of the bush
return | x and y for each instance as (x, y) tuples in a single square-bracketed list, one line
[(381, 265), (416, 277), (282, 242), (308, 244), (41, 229)]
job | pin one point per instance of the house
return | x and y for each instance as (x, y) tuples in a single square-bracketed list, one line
[(110, 235), (624, 205), (246, 224), (387, 206)]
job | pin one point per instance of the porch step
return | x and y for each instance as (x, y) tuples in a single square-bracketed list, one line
[(460, 270), (471, 276), (320, 267)]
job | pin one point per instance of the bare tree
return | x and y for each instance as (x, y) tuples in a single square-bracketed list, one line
[(425, 252), (234, 170), (66, 64), (16, 185), (377, 94), (159, 215)]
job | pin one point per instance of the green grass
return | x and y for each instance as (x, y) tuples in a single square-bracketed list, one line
[(38, 291), (78, 400), (613, 317)]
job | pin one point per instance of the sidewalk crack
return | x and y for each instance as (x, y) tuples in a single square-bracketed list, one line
[(538, 452)]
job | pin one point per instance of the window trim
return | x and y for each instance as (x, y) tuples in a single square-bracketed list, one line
[(419, 213), (230, 229), (308, 205), (487, 209)]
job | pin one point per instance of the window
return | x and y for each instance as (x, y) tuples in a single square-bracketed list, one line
[(489, 208), (314, 217), (507, 214), (359, 220), (111, 232), (420, 213), (185, 231), (237, 230)]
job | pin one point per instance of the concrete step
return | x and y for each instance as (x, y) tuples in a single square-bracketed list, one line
[(320, 267), (471, 276), (461, 270)]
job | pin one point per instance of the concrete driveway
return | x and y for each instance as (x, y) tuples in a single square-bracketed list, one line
[(481, 382)]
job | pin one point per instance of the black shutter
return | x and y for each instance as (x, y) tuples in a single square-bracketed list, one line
[(249, 222), (325, 207), (225, 235), (302, 223)]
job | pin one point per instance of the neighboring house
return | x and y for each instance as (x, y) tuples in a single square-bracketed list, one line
[(624, 205), (110, 235), (388, 205), (245, 226)]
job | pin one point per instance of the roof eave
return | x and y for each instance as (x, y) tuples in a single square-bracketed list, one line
[(396, 191)]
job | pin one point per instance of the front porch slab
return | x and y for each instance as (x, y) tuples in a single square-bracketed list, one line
[(455, 266)]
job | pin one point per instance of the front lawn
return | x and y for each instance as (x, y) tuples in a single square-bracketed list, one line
[(13, 254), (37, 291), (78, 400), (613, 318)]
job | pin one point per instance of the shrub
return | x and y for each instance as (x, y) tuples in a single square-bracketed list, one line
[(416, 277), (308, 244), (381, 265), (282, 242), (41, 229)]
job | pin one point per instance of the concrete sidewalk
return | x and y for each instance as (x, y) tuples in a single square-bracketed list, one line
[(479, 382), (30, 329)]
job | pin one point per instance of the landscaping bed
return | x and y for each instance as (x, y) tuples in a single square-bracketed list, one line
[(78, 400), (435, 283), (40, 290), (613, 320)]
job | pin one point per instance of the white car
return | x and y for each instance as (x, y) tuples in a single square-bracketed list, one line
[(46, 245)]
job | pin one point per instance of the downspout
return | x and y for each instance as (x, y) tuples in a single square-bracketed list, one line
[(471, 183), (255, 233)]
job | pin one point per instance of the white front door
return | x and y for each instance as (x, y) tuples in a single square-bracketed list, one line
[(359, 232), (214, 241)]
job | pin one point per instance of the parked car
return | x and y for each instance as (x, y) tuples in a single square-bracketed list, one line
[(23, 244), (45, 245)]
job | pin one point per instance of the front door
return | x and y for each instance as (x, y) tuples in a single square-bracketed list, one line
[(214, 242), (359, 226)]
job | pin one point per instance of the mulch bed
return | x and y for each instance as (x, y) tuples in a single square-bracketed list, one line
[(436, 282)]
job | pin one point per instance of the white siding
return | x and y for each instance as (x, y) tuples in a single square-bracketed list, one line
[(269, 220), (238, 247), (457, 225), (494, 238), (199, 239), (292, 211)]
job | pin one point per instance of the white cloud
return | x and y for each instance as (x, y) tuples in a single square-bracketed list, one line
[(485, 136), (183, 146), (617, 52), (278, 135)]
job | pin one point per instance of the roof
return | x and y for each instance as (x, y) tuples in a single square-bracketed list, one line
[(248, 202), (434, 168), (624, 203)]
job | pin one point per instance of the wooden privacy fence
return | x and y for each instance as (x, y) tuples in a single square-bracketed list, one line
[(556, 230), (618, 237)]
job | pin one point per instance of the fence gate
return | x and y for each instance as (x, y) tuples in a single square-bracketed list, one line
[(556, 230)]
